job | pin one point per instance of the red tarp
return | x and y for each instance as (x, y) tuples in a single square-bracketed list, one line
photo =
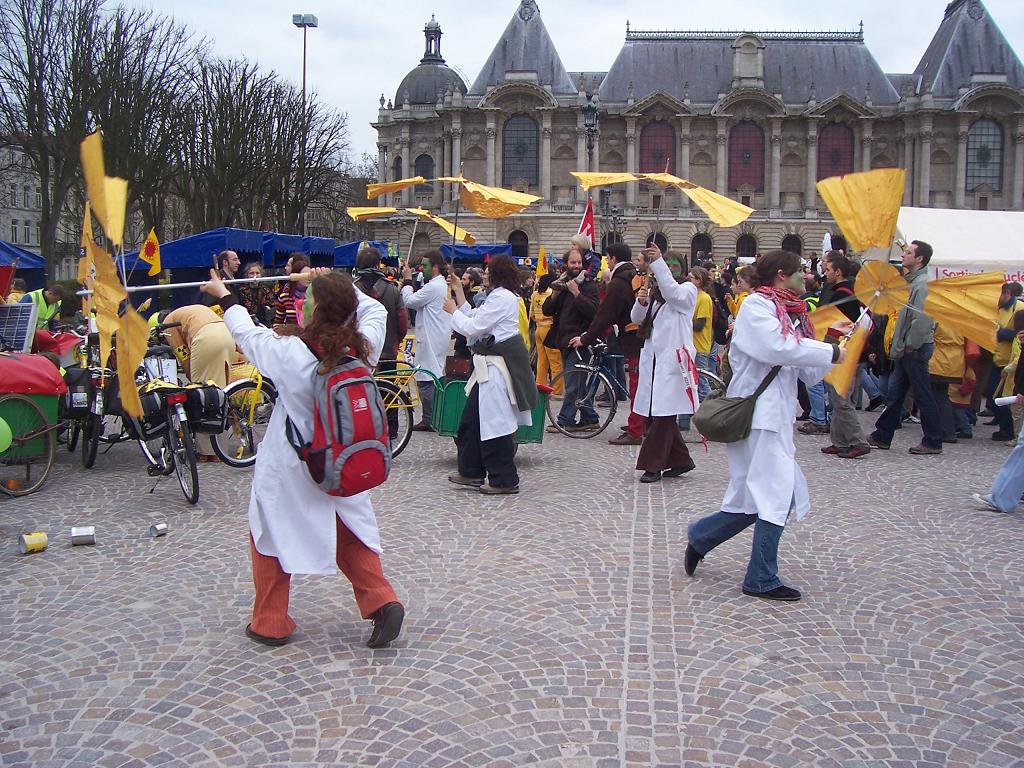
[(30, 375)]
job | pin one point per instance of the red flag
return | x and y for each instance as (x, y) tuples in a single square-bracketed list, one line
[(587, 225)]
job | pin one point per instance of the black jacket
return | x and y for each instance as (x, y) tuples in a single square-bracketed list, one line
[(572, 314)]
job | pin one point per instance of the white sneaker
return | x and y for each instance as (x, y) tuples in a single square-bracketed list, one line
[(984, 503)]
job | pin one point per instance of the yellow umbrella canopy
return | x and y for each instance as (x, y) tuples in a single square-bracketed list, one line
[(489, 202), (865, 205), (457, 232), (968, 305), (721, 210), (841, 376), (357, 213), (881, 288), (376, 190)]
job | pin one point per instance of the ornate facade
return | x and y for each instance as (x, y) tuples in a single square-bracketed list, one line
[(759, 117)]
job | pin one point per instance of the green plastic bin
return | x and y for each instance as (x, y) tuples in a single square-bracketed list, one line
[(535, 432), (449, 403), (37, 446)]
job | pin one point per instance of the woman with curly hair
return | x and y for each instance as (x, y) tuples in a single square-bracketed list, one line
[(294, 526)]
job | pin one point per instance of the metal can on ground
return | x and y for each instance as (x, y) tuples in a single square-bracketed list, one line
[(85, 534), (32, 542), (158, 529)]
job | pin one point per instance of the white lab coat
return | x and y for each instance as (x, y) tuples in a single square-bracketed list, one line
[(661, 388), (433, 325), (764, 478), (497, 317), (289, 516)]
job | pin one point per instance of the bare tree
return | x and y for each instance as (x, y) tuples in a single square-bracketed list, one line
[(47, 82)]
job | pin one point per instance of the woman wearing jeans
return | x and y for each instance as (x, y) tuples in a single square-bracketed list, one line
[(765, 482)]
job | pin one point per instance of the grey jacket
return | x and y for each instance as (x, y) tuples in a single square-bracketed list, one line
[(913, 329)]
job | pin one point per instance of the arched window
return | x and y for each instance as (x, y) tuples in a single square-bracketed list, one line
[(835, 151), (420, 244), (608, 238), (425, 168), (793, 244), (520, 157), (657, 146), (660, 239), (396, 168), (985, 155), (520, 243), (746, 156), (746, 246), (701, 244)]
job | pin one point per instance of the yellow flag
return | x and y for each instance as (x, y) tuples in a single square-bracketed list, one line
[(85, 265), (841, 377), (494, 202), (87, 236), (362, 213), (376, 190), (116, 195), (91, 151), (542, 263), (824, 317), (150, 253), (132, 338), (865, 205), (967, 305), (108, 293)]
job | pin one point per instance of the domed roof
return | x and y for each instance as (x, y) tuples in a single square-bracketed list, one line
[(428, 81), (432, 78)]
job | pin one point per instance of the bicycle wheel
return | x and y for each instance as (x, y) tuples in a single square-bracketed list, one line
[(399, 411), (184, 450), (74, 432), (28, 460), (158, 454), (717, 386), (92, 428), (593, 386), (249, 408)]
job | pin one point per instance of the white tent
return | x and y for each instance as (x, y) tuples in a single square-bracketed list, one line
[(967, 241)]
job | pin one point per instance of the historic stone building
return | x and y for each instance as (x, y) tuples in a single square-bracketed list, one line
[(759, 117)]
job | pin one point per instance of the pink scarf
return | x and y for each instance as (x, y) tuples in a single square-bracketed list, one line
[(791, 311)]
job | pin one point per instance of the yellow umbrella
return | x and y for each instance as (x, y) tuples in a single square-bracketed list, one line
[(369, 212), (376, 190), (457, 233), (968, 305), (489, 202), (865, 205), (723, 211), (881, 288)]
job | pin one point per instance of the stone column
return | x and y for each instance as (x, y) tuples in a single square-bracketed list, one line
[(721, 162), (866, 139), (439, 158), (1017, 203), (960, 182), (406, 166), (908, 163), (926, 161), (683, 151), (545, 159), (382, 163), (811, 174), (775, 193), (631, 165), (492, 158)]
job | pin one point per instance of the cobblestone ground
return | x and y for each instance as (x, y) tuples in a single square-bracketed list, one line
[(554, 628)]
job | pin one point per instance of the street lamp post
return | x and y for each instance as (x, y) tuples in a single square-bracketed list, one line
[(590, 125), (303, 21)]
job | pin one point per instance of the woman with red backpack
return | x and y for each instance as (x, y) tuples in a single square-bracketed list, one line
[(295, 527)]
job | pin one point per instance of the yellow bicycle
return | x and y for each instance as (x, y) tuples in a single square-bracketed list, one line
[(396, 381), (251, 397)]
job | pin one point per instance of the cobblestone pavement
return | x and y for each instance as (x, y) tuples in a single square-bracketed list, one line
[(555, 628)]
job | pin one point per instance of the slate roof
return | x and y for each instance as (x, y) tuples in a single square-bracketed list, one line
[(834, 62), (525, 46), (967, 42)]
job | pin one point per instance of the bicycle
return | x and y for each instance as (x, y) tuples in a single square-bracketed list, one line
[(250, 401), (601, 389), (396, 381), (27, 462)]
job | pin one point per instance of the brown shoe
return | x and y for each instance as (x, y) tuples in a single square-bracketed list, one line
[(474, 482), (832, 449), (924, 450), (498, 490), (625, 439), (810, 428)]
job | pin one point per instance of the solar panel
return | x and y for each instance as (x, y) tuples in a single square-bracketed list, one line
[(18, 326)]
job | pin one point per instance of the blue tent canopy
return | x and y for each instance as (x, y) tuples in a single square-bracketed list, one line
[(26, 259), (345, 254), (200, 250), (478, 253)]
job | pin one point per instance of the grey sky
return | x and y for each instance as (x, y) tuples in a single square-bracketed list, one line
[(365, 48)]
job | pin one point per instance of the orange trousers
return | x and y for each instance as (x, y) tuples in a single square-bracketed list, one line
[(360, 564)]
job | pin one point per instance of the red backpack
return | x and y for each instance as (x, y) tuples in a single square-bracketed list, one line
[(350, 451)]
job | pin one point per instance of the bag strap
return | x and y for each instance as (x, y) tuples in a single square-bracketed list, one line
[(766, 381)]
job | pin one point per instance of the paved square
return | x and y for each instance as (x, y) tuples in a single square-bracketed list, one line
[(554, 628)]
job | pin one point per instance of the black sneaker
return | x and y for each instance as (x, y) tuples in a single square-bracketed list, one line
[(273, 642), (782, 593), (650, 477), (690, 559), (387, 623), (677, 471)]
